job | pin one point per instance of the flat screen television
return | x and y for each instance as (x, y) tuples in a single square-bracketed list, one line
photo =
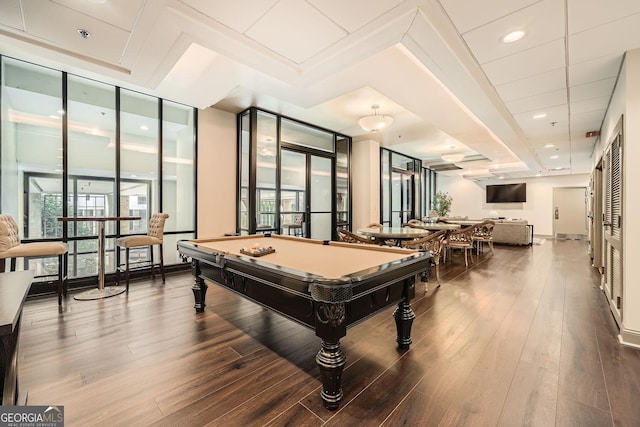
[(507, 193)]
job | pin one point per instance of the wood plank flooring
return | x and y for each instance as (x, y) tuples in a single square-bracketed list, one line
[(522, 337)]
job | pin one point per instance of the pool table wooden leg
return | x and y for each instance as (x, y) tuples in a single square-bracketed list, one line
[(331, 361), (199, 288), (404, 315)]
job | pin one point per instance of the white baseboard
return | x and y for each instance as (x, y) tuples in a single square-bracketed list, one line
[(629, 338)]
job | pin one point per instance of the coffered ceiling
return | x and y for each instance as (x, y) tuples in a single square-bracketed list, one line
[(438, 67)]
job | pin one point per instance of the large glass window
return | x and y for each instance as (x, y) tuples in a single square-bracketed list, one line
[(342, 183), (244, 168), (406, 188), (108, 172), (178, 169), (266, 167), (293, 177), (306, 136), (32, 141)]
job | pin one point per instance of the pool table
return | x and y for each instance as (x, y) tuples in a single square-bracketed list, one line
[(326, 286)]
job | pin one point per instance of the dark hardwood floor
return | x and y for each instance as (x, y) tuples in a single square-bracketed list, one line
[(522, 337)]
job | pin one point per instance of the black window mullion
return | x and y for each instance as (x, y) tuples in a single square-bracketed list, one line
[(160, 152)]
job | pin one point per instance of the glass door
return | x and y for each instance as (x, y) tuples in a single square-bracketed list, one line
[(401, 197), (293, 193), (306, 195), (320, 187)]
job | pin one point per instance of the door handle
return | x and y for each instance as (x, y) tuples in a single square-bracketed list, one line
[(606, 224), (557, 213)]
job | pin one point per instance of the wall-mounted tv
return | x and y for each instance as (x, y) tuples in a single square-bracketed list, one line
[(507, 193)]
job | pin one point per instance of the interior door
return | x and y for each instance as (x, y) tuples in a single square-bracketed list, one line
[(293, 192), (401, 197), (570, 212), (306, 187), (613, 223), (597, 230), (320, 192)]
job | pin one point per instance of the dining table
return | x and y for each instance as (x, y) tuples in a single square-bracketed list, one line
[(385, 234), (101, 291), (438, 226), (464, 222)]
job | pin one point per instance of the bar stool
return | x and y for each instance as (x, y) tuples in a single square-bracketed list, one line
[(155, 233), (12, 248)]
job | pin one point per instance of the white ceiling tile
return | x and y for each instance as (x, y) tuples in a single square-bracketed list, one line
[(295, 30), (524, 88), (467, 15), (600, 88), (557, 114), (543, 22), (585, 14), (120, 13), (538, 102), (614, 37), (587, 121), (238, 15), (106, 42), (559, 131), (530, 62), (10, 14), (353, 14), (595, 69), (589, 105)]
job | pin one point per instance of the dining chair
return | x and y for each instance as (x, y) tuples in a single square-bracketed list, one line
[(433, 243), (295, 224), (12, 248), (483, 233), (349, 237), (154, 236), (460, 239)]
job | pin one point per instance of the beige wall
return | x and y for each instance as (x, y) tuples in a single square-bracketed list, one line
[(626, 101), (216, 172), (469, 199), (365, 185)]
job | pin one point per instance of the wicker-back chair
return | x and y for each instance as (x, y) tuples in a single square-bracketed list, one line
[(460, 239), (349, 237), (433, 243), (483, 233), (374, 224)]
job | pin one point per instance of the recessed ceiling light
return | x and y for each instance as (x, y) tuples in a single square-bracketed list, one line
[(144, 127), (513, 36), (549, 145), (540, 116), (555, 156)]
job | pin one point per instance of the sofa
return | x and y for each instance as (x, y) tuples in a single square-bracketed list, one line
[(512, 231)]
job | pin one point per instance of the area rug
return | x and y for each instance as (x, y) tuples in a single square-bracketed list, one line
[(539, 240)]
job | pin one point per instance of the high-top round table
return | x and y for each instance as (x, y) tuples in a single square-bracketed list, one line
[(101, 291)]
